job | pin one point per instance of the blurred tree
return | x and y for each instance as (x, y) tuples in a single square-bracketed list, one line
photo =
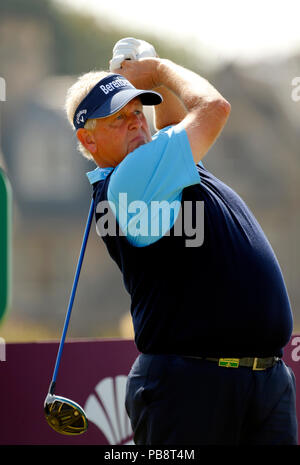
[(30, 8), (81, 42)]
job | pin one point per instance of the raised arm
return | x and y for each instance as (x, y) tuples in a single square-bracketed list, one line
[(188, 98), (170, 111)]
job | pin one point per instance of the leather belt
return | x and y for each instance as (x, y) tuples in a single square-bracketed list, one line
[(255, 363)]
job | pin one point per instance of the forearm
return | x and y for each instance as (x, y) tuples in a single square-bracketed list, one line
[(170, 111), (206, 109), (182, 91), (184, 87)]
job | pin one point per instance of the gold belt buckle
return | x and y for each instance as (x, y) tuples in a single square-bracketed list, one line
[(254, 367), (229, 362)]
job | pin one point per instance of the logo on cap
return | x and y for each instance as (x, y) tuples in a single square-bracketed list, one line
[(79, 116), (115, 84)]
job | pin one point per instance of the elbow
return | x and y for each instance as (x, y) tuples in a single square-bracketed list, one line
[(226, 107), (218, 113), (215, 110), (222, 108)]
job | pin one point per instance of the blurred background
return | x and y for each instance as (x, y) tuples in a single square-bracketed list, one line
[(250, 51)]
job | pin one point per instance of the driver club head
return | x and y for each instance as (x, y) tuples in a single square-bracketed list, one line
[(64, 415)]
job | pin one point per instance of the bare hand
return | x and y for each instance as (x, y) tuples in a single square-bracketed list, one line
[(141, 73)]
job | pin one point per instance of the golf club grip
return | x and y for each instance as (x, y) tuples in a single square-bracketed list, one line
[(72, 296)]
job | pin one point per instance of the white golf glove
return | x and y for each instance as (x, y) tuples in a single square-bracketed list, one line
[(130, 49)]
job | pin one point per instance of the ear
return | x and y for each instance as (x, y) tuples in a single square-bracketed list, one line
[(86, 137)]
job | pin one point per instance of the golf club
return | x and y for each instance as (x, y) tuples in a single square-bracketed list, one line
[(62, 414)]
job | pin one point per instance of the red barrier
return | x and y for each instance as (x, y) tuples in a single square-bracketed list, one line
[(92, 373)]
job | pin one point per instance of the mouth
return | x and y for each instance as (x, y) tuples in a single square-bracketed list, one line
[(137, 141), (138, 138)]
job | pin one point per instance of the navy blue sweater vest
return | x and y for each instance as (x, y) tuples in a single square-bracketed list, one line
[(225, 298)]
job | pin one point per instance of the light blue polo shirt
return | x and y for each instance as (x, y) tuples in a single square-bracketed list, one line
[(145, 189)]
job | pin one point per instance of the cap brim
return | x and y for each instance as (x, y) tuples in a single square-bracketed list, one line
[(120, 99)]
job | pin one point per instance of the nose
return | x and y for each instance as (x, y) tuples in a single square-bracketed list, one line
[(134, 121)]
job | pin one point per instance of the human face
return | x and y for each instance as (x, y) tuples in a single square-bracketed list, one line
[(119, 134)]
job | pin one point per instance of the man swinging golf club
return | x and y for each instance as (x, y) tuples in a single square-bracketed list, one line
[(211, 320)]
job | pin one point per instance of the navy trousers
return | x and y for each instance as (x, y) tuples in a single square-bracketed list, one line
[(174, 400)]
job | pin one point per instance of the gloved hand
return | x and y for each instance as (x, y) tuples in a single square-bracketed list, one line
[(130, 48)]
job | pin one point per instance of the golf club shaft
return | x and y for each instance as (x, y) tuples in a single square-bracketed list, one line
[(72, 296)]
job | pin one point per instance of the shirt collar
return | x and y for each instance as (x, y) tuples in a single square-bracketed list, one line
[(98, 174)]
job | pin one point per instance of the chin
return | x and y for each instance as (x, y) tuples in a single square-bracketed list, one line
[(138, 144), (141, 142)]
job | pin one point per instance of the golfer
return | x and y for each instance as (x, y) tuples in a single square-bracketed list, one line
[(211, 316)]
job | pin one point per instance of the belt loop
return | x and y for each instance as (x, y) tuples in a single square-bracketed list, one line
[(254, 367)]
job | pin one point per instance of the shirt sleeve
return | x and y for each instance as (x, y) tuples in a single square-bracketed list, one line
[(157, 171)]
